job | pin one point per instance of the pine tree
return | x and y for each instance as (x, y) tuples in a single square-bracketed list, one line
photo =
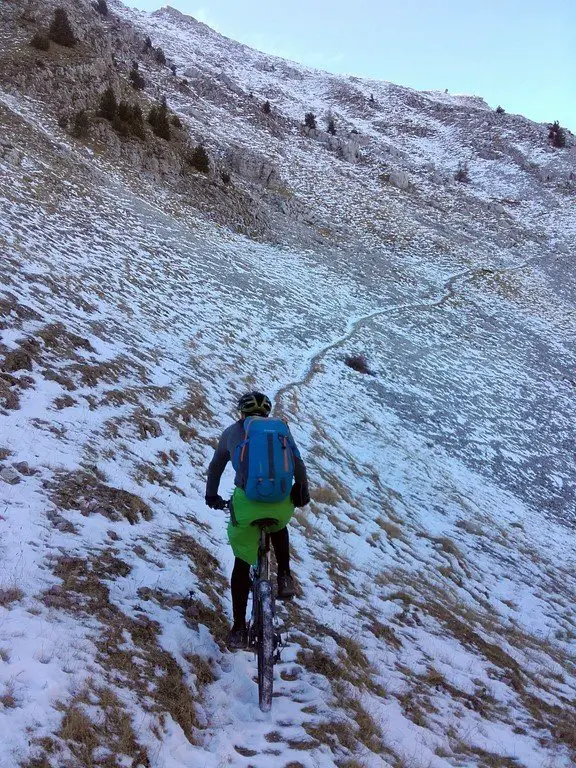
[(108, 104), (80, 124), (331, 127), (102, 7), (40, 42), (138, 82), (60, 30), (200, 160), (310, 120), (266, 108), (499, 110), (557, 135), (158, 119), (160, 56), (462, 174)]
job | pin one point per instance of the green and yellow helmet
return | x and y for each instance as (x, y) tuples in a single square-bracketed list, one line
[(254, 404)]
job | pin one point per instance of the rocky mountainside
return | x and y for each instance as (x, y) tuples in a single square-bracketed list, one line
[(423, 239)]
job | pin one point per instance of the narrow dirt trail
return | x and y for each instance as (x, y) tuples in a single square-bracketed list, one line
[(448, 292)]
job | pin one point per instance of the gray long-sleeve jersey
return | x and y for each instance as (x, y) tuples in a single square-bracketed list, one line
[(230, 440)]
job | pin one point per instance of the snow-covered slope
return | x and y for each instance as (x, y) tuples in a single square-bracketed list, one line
[(436, 560)]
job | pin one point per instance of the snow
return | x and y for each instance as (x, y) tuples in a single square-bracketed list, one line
[(450, 522)]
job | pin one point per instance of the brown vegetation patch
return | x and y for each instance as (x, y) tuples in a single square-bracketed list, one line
[(21, 358), (145, 668), (8, 697), (245, 752), (206, 568), (392, 530), (150, 473), (110, 372), (324, 494), (9, 595), (203, 670), (337, 567), (384, 632), (11, 308), (97, 730), (86, 492), (194, 408), (66, 401), (350, 662), (56, 336)]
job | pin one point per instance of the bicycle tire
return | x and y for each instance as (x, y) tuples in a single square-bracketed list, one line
[(265, 647)]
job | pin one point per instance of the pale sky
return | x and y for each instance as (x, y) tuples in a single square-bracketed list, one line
[(520, 54)]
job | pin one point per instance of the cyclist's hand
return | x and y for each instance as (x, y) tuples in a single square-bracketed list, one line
[(215, 502), (299, 494)]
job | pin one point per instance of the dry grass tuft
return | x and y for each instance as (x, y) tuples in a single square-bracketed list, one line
[(392, 530), (142, 665), (203, 670), (96, 722), (203, 563), (324, 494), (8, 698), (87, 492), (9, 595), (56, 336)]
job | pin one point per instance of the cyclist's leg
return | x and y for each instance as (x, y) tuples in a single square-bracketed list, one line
[(240, 587), (281, 543)]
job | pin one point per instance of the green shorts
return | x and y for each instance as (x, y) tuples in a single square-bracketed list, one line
[(243, 536)]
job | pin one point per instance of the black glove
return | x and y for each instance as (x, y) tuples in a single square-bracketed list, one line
[(215, 502), (299, 495)]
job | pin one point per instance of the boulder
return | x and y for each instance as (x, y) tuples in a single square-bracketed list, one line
[(252, 166), (9, 475), (399, 179)]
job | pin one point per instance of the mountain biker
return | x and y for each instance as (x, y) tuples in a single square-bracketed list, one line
[(242, 536)]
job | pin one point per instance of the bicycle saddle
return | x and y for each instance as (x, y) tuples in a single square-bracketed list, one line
[(264, 522)]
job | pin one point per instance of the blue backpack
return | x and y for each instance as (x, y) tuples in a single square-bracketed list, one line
[(265, 459)]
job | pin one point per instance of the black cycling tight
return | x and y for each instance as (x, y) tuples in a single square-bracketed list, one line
[(240, 581)]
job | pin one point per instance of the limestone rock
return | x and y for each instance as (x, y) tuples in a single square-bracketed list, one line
[(9, 475), (252, 166), (399, 179)]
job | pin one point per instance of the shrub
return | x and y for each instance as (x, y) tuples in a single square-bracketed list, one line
[(462, 174), (138, 82), (173, 68), (40, 41), (266, 108), (147, 44), (158, 119), (108, 104), (136, 122), (358, 363), (500, 110), (557, 135), (310, 120), (160, 56), (80, 124), (200, 160), (60, 30), (101, 7), (331, 127), (225, 176)]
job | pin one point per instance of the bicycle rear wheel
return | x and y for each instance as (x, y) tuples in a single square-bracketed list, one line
[(265, 646)]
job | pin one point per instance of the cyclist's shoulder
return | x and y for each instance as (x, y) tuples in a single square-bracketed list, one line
[(233, 430)]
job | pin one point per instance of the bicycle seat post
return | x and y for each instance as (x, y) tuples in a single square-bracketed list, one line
[(264, 546)]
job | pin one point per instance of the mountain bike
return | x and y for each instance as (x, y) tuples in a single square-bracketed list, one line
[(262, 636)]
